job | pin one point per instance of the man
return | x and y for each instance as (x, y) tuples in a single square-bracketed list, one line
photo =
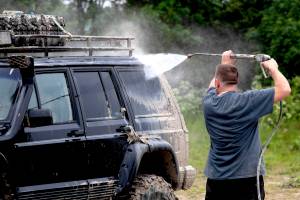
[(231, 119)]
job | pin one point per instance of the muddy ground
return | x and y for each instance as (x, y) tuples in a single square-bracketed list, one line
[(278, 187)]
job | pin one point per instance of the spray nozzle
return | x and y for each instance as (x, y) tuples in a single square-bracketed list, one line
[(262, 57), (190, 55)]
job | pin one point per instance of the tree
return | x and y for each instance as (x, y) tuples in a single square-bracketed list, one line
[(279, 34), (182, 12), (243, 14), (87, 13), (32, 6)]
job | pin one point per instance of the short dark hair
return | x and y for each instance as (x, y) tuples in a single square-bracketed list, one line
[(227, 74)]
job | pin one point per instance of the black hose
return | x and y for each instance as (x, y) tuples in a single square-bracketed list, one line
[(265, 148)]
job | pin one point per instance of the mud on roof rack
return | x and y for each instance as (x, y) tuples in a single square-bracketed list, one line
[(41, 35), (41, 45)]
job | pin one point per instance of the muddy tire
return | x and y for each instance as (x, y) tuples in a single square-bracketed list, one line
[(151, 187)]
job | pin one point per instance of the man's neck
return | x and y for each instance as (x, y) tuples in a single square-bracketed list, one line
[(226, 88)]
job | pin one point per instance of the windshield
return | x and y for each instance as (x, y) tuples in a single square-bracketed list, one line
[(10, 80)]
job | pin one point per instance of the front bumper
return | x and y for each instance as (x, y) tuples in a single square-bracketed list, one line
[(187, 175)]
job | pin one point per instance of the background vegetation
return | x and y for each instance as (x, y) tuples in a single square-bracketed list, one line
[(184, 26)]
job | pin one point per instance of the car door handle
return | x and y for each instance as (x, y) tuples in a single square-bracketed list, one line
[(124, 129), (76, 133)]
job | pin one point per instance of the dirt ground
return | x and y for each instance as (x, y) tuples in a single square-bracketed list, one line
[(277, 187)]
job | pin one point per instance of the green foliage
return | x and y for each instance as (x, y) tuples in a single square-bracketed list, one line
[(32, 6), (274, 24), (243, 14), (188, 98), (176, 34), (291, 108), (279, 34), (172, 12), (293, 101), (183, 12), (169, 11)]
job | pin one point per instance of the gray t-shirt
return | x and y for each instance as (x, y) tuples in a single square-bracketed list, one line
[(232, 123)]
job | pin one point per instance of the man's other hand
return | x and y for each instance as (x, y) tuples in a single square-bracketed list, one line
[(271, 66), (281, 84)]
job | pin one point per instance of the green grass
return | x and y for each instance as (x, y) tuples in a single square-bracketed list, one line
[(198, 139), (283, 153)]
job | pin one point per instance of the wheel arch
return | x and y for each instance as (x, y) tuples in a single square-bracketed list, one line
[(161, 163), (156, 157)]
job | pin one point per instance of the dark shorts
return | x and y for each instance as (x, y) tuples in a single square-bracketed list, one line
[(234, 189)]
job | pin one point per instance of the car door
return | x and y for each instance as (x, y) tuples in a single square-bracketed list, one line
[(52, 152), (104, 113)]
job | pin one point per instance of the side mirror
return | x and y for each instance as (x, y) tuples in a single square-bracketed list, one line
[(40, 117)]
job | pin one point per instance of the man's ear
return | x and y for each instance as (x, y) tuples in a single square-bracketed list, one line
[(217, 83)]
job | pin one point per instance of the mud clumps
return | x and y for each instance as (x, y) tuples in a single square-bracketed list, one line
[(20, 24)]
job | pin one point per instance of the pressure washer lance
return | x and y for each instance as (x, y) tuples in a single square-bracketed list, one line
[(257, 57)]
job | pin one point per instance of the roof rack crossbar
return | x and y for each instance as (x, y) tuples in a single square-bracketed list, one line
[(75, 36), (59, 49)]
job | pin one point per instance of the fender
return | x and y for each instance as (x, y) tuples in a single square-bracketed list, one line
[(133, 156)]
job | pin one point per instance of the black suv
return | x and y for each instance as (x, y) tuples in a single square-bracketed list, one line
[(80, 120)]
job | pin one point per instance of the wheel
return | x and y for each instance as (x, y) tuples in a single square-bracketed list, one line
[(151, 187), (5, 189)]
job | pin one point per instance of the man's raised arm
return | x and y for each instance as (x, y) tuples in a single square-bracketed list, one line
[(281, 84), (212, 83)]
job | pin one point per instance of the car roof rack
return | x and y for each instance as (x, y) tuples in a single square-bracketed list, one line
[(44, 36), (66, 45)]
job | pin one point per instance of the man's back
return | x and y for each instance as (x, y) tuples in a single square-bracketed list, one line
[(232, 123)]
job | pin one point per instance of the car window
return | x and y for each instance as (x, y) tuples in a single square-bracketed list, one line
[(10, 82), (54, 95), (33, 101), (112, 98), (146, 95), (98, 95)]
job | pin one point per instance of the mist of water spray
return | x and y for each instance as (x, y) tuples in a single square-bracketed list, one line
[(157, 64)]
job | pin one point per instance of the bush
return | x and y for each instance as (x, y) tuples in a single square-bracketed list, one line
[(291, 108), (188, 98)]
